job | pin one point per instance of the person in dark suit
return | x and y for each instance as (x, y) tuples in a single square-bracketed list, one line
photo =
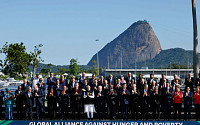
[(19, 101), (134, 105), (150, 81), (145, 102), (84, 86), (140, 77), (111, 80), (92, 80), (162, 80), (52, 105), (106, 91), (63, 81), (124, 101), (57, 90), (72, 83), (118, 89), (156, 103), (100, 98), (76, 100), (152, 87), (196, 97), (168, 96), (101, 81), (130, 79), (187, 103), (112, 102), (1, 102), (82, 78), (140, 86), (64, 102), (39, 95), (41, 85), (197, 81), (25, 85), (189, 82), (28, 103), (51, 82), (162, 87)]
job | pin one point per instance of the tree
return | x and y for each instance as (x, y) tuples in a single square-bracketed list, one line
[(36, 58), (94, 67), (50, 65), (195, 39), (17, 59), (73, 67)]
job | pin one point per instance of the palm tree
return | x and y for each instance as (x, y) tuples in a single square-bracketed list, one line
[(195, 38)]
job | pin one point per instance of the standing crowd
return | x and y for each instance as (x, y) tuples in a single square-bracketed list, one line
[(128, 98)]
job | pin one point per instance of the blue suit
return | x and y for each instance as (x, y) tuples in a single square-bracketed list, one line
[(51, 83), (187, 104), (8, 107), (124, 103), (167, 97), (39, 102)]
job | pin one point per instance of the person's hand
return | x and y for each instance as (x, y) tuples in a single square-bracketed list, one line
[(123, 93), (50, 79), (186, 94), (24, 106), (76, 93)]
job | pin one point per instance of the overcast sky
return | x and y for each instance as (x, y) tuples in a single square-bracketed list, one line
[(68, 28)]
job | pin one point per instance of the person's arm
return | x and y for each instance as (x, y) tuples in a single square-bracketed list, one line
[(92, 96), (84, 95)]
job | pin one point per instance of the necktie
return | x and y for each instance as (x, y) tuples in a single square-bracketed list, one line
[(19, 92), (62, 80), (29, 95), (76, 90)]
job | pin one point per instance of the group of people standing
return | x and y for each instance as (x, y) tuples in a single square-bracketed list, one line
[(131, 98)]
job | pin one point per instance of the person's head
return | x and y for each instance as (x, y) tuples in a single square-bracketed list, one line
[(62, 76), (133, 81), (29, 89), (51, 74), (145, 87), (156, 88), (151, 76), (167, 85), (100, 88), (102, 78), (105, 82), (25, 81), (95, 81), (85, 81), (188, 89), (64, 88), (175, 76), (118, 81), (83, 74), (73, 79), (111, 76), (57, 81), (35, 87), (88, 87), (197, 89), (176, 81), (8, 90), (76, 85), (38, 76), (124, 86), (129, 74), (40, 80), (134, 86), (93, 76), (163, 76), (19, 87), (189, 75), (142, 81), (51, 90), (164, 80), (177, 88), (140, 76)]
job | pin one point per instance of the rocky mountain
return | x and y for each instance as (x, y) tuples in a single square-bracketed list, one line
[(136, 44)]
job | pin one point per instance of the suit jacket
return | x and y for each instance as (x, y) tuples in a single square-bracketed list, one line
[(25, 87), (28, 102), (145, 98), (113, 81), (43, 87), (167, 96), (19, 98), (125, 97), (188, 99), (100, 99), (178, 99), (64, 98), (63, 82), (112, 97), (129, 79), (156, 98), (40, 97), (134, 97), (76, 98), (189, 83), (58, 90)]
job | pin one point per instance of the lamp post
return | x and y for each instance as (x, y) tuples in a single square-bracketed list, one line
[(97, 57)]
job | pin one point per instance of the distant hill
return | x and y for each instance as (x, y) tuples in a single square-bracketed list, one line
[(55, 68), (137, 43), (163, 59)]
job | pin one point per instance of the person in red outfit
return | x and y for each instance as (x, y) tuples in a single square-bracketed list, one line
[(178, 95), (196, 97)]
